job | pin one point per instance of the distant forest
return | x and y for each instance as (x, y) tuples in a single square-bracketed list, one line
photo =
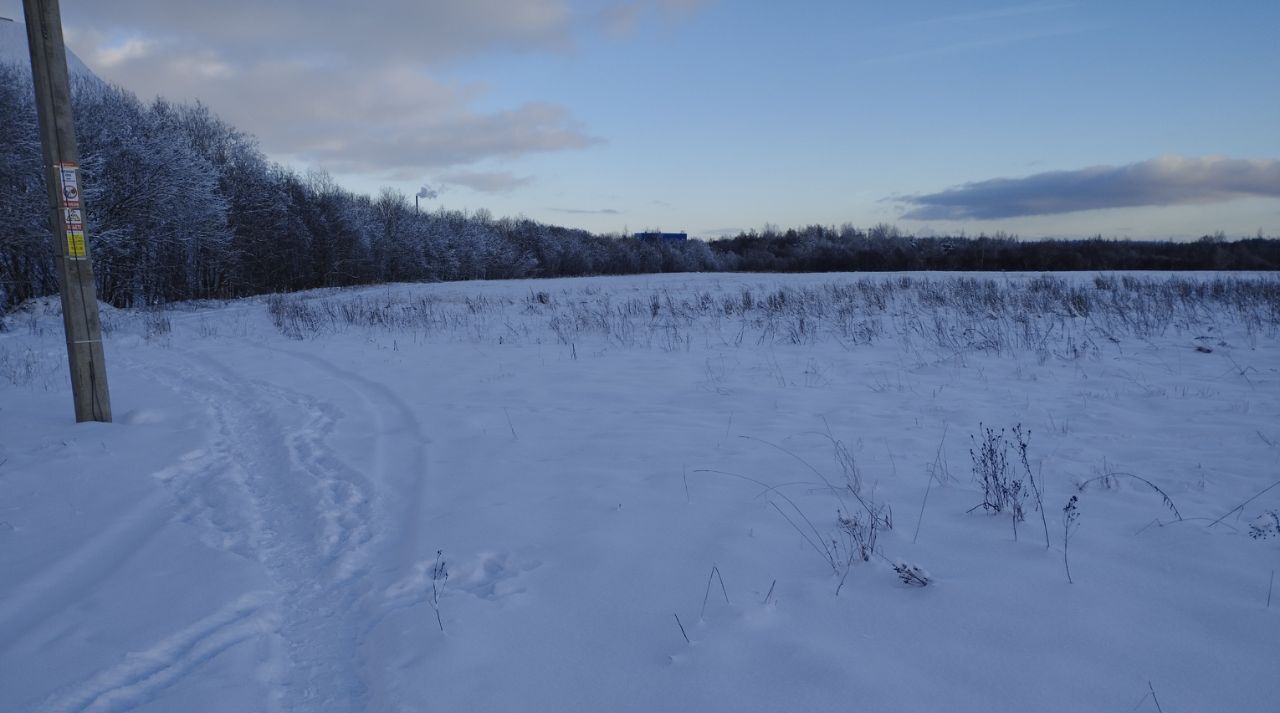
[(884, 248), (181, 205)]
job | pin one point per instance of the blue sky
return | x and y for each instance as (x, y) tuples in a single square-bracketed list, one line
[(1134, 119)]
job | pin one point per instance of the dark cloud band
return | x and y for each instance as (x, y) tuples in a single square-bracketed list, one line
[(1158, 182)]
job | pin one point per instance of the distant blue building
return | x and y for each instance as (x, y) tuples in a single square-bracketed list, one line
[(662, 236)]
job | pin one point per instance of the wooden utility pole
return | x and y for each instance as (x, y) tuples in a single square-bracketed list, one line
[(66, 210)]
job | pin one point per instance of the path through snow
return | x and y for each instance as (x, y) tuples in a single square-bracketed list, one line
[(259, 530)]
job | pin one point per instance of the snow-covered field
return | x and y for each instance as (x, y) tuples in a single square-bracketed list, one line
[(653, 494)]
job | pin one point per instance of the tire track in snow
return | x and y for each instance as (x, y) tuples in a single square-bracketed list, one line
[(398, 468), (81, 570), (343, 504), (138, 678), (44, 595), (307, 519), (396, 429), (269, 486)]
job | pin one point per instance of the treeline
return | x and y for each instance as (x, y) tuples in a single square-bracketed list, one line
[(181, 205), (883, 248)]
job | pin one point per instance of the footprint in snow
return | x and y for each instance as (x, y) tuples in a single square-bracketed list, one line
[(489, 575)]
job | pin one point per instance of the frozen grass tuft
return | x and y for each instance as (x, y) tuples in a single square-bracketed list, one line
[(1003, 489), (1265, 526), (912, 575), (439, 577), (1047, 316), (31, 369), (1070, 520), (1111, 479)]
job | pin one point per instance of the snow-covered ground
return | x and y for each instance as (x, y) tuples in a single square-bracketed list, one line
[(627, 494)]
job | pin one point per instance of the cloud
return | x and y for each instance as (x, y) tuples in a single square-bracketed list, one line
[(619, 18), (622, 18), (428, 31), (354, 88), (1164, 181), (588, 211), (390, 120), (486, 181)]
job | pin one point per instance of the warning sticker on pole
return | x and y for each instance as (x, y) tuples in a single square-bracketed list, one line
[(70, 185), (75, 243), (73, 224)]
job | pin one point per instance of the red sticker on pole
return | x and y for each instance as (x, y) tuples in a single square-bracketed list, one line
[(70, 185)]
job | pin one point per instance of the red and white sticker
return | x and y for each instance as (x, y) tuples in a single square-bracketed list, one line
[(70, 185)]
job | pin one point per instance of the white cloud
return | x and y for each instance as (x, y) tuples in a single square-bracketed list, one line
[(129, 50), (354, 88), (421, 30), (588, 211), (486, 181), (623, 17), (388, 120)]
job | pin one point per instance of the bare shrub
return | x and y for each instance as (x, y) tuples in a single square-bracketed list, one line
[(1265, 526), (1002, 487), (22, 368), (156, 324), (912, 575), (1006, 488)]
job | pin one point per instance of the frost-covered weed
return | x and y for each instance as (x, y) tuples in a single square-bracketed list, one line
[(859, 521), (1047, 316), (156, 325), (1265, 526), (912, 575), (21, 368), (439, 576), (1007, 487), (860, 531), (1110, 479), (1003, 489), (1070, 520)]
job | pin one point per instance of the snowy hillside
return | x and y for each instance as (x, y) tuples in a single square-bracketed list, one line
[(656, 493)]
